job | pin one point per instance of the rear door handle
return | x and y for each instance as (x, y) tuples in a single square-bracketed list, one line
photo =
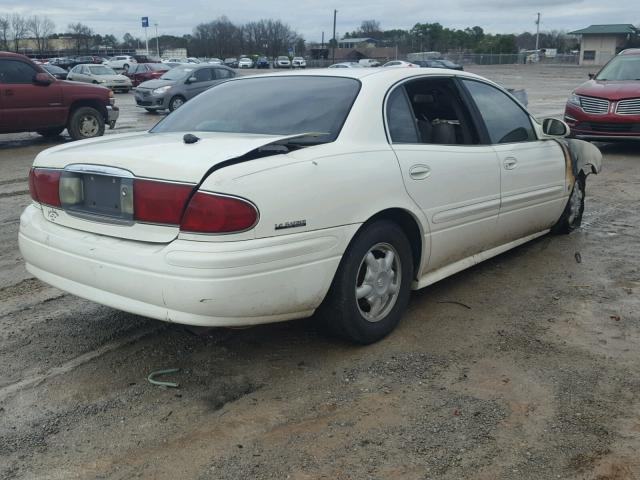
[(420, 172), (510, 163), (8, 93)]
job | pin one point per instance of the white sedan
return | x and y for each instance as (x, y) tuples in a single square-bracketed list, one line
[(237, 209), (401, 63)]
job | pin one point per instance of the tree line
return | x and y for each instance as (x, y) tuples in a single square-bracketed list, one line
[(435, 37), (217, 38)]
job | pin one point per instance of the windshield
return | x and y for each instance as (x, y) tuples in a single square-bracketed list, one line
[(269, 105), (178, 73), (283, 58), (102, 70), (622, 67)]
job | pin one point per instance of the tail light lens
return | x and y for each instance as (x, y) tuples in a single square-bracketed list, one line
[(211, 213), (44, 185), (159, 202)]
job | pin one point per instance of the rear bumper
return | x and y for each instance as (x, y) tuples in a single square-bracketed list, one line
[(197, 283)]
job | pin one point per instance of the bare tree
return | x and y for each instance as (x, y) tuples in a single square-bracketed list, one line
[(41, 28), (81, 34), (5, 29), (19, 30)]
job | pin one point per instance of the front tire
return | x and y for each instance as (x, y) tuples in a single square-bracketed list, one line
[(370, 291), (571, 217), (176, 102), (86, 122)]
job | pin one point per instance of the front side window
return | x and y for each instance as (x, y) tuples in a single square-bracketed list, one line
[(505, 120), (12, 71), (269, 106)]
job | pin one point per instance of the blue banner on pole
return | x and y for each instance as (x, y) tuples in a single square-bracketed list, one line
[(145, 22)]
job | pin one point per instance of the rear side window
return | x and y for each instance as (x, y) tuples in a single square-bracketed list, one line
[(12, 71), (505, 120), (402, 127), (222, 73)]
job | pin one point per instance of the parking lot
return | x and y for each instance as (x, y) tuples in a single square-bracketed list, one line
[(525, 366)]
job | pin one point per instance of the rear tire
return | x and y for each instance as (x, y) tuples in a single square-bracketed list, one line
[(370, 291), (51, 132), (86, 122), (571, 217)]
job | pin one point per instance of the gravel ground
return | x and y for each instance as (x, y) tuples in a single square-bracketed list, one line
[(525, 366)]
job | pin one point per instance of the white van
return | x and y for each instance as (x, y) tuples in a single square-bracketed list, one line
[(369, 62)]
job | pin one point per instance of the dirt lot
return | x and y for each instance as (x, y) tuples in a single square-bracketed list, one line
[(525, 366)]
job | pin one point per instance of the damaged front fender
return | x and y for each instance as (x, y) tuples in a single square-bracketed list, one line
[(580, 157)]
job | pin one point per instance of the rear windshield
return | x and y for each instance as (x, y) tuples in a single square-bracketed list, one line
[(102, 70), (178, 73), (269, 105), (157, 67), (622, 67)]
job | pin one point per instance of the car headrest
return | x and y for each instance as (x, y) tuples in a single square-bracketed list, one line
[(424, 98)]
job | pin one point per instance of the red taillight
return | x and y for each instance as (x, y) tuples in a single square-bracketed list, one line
[(159, 202), (44, 185), (211, 213)]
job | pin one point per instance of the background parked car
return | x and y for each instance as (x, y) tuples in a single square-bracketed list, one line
[(180, 84), (146, 71), (282, 62), (231, 62), (369, 62), (100, 75), (121, 62), (82, 109), (400, 63), (63, 62), (57, 72), (607, 107), (298, 62), (263, 62), (214, 61), (146, 59), (245, 62), (346, 65)]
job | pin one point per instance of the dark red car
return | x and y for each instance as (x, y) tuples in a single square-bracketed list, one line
[(607, 107), (145, 71), (31, 100)]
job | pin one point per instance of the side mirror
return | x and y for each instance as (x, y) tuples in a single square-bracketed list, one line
[(42, 79), (591, 75), (191, 80), (555, 127)]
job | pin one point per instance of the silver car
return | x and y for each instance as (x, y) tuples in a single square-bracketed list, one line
[(180, 84), (100, 75)]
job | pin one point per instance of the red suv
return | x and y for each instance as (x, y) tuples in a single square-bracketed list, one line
[(607, 107), (32, 100)]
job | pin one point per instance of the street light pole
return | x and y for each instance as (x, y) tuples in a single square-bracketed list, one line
[(333, 45), (157, 42), (537, 32)]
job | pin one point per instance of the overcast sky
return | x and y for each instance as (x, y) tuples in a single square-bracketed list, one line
[(311, 17)]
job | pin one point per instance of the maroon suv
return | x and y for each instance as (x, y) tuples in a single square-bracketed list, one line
[(607, 107), (32, 100)]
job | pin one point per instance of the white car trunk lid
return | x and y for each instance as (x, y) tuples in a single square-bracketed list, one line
[(155, 156)]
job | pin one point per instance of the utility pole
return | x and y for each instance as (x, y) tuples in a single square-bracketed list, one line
[(333, 45), (322, 44), (538, 32), (157, 42)]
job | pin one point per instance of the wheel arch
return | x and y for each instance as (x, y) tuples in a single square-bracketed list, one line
[(411, 227), (88, 103)]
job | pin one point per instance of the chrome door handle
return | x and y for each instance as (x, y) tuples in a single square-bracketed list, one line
[(420, 172), (510, 163)]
